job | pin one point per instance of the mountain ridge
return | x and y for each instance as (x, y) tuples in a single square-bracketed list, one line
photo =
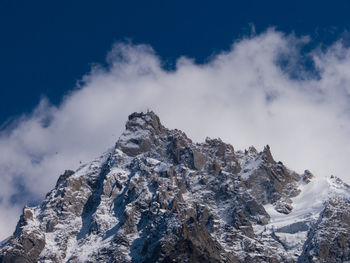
[(158, 197)]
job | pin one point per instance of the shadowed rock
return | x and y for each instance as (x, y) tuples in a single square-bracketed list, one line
[(159, 197)]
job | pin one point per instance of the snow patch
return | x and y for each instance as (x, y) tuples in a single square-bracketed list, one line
[(249, 163)]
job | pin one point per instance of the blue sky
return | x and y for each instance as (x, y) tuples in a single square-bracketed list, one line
[(46, 46), (249, 72)]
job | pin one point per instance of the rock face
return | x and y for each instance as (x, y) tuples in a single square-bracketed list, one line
[(158, 197), (332, 245)]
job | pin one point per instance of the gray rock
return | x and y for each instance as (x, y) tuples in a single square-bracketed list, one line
[(199, 160), (328, 241), (159, 197)]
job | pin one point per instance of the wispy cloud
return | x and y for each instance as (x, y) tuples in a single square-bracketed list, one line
[(255, 94)]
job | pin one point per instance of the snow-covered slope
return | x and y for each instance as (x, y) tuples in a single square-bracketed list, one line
[(158, 197)]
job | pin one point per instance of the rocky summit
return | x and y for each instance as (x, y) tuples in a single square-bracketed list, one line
[(156, 196)]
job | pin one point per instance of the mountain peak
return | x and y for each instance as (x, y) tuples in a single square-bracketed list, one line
[(141, 131), (144, 120), (159, 197)]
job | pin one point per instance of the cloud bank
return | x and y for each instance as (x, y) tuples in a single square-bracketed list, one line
[(256, 93)]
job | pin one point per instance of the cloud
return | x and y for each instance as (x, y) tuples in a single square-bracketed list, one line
[(257, 93)]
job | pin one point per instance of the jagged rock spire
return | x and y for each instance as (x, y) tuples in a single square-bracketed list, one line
[(141, 132), (159, 197)]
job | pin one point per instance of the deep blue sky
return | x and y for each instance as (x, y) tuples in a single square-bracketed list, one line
[(46, 46)]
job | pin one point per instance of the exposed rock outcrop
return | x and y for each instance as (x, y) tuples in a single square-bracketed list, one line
[(159, 197)]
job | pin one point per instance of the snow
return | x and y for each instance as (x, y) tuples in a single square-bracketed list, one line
[(249, 163), (306, 206), (131, 145), (187, 196), (133, 188), (139, 121), (152, 161), (309, 203), (289, 230), (87, 169), (292, 229), (292, 241), (128, 135), (162, 167)]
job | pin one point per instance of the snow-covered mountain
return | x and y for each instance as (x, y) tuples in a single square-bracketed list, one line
[(158, 197)]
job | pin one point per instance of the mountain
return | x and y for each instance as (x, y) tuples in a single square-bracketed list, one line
[(156, 196)]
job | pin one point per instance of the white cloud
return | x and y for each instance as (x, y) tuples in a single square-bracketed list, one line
[(242, 96)]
